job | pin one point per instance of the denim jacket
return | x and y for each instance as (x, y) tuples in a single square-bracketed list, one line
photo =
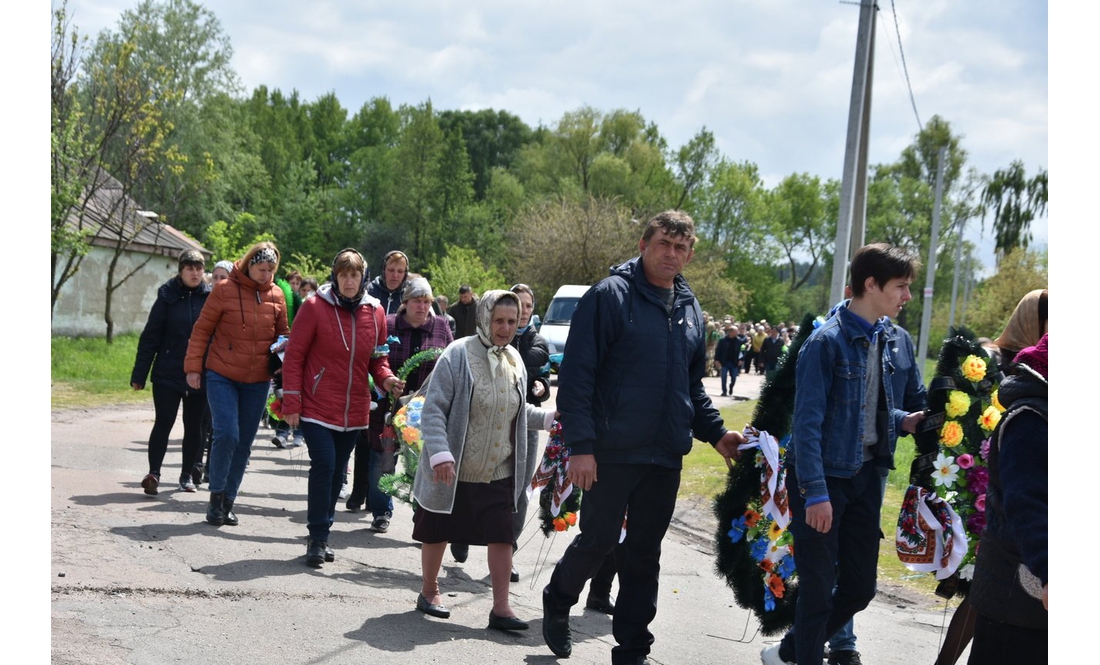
[(831, 375)]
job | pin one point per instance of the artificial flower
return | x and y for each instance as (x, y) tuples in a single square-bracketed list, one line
[(751, 518), (786, 566), (965, 461), (769, 600), (759, 549), (996, 401), (560, 524), (976, 524), (776, 586), (973, 368), (984, 449), (977, 480), (979, 503), (989, 418), (737, 529), (952, 434), (947, 472), (958, 403), (571, 519), (775, 531)]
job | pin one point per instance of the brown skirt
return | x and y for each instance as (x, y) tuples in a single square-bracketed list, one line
[(482, 514)]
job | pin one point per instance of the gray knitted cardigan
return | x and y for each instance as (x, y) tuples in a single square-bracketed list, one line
[(444, 420)]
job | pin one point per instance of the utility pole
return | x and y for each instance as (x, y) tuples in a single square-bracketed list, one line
[(850, 231), (930, 270), (955, 275)]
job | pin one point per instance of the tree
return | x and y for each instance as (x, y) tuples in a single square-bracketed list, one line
[(1015, 201), (108, 138), (493, 140), (693, 163), (1020, 271), (801, 215), (463, 266), (566, 242)]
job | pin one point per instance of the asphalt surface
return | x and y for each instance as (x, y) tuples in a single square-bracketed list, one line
[(143, 579)]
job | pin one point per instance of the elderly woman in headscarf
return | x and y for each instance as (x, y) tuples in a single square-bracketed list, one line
[(476, 458)]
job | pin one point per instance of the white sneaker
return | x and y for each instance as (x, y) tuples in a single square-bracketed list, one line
[(279, 441), (299, 440), (344, 491), (770, 656)]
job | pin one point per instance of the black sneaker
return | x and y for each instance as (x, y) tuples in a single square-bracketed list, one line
[(460, 552), (844, 657), (149, 483), (380, 524)]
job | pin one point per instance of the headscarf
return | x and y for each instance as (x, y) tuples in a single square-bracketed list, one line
[(505, 357), (1024, 328), (227, 266), (1035, 357)]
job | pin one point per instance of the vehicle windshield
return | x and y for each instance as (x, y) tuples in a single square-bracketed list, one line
[(560, 311)]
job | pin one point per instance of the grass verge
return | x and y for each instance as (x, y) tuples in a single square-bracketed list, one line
[(87, 371)]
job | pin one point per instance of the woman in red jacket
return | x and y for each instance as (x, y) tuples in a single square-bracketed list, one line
[(242, 318), (339, 336)]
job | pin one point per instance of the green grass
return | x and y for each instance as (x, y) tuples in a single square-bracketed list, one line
[(87, 371), (704, 476)]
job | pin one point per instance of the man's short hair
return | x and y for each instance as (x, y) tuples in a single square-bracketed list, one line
[(883, 262), (465, 288), (675, 223)]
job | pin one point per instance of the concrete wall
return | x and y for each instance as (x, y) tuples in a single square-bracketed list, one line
[(79, 309)]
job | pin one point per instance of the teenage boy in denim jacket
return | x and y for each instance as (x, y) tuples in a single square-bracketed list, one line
[(857, 388)]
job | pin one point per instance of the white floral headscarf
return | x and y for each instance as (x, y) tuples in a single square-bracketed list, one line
[(506, 356)]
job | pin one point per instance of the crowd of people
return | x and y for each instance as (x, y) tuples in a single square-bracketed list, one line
[(219, 344)]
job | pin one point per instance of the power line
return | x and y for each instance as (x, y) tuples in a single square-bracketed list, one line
[(904, 67)]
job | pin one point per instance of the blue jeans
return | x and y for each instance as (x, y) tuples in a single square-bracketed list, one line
[(647, 490), (733, 369), (375, 496), (235, 410), (329, 450), (836, 570)]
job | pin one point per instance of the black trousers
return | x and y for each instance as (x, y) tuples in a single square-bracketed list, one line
[(166, 402), (646, 494), (997, 643)]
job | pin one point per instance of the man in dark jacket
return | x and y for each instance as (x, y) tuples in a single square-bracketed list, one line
[(631, 397), (464, 312), (727, 359)]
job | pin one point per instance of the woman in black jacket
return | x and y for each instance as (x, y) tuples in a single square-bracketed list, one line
[(163, 345)]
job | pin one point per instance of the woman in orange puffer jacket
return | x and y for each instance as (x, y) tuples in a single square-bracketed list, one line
[(242, 318)]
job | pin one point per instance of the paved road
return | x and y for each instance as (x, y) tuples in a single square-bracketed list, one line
[(139, 579)]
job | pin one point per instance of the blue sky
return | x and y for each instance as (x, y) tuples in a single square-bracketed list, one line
[(770, 78)]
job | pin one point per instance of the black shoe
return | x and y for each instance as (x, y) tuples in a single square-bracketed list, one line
[(460, 552), (230, 516), (215, 512), (515, 575), (506, 623), (380, 524), (424, 606), (149, 483), (844, 657), (723, 395), (330, 556), (555, 628), (355, 501), (315, 553), (600, 604)]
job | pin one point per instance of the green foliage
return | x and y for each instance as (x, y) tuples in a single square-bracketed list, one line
[(1015, 201), (463, 266), (307, 266), (89, 371), (229, 242), (993, 301)]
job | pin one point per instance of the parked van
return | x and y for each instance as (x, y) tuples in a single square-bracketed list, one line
[(555, 325)]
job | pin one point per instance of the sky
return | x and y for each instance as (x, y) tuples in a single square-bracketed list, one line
[(770, 78)]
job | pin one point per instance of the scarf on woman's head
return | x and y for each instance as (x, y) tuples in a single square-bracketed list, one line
[(1024, 327), (505, 357)]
